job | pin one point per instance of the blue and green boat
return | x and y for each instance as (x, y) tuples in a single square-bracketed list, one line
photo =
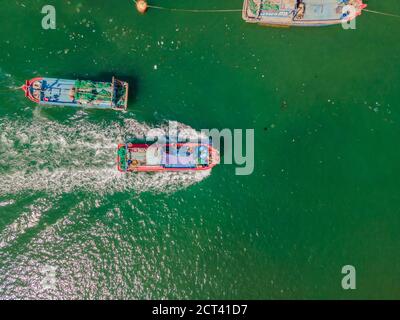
[(78, 93)]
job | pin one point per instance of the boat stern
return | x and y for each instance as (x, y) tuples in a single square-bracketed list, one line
[(120, 92), (251, 10), (122, 164)]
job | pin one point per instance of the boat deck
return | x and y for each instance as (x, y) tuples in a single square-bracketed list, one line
[(65, 92), (56, 91), (322, 10), (143, 157), (78, 93)]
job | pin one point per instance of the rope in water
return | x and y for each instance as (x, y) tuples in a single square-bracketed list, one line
[(383, 13), (197, 10), (10, 89), (193, 10)]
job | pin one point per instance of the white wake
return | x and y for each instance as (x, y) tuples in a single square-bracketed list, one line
[(42, 155)]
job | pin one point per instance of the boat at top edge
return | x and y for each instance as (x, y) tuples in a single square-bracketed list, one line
[(134, 157), (78, 93), (311, 13)]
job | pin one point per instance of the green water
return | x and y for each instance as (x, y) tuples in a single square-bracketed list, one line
[(324, 192)]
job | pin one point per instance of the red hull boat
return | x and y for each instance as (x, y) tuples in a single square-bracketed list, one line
[(136, 157)]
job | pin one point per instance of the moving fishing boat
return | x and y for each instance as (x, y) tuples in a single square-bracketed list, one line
[(301, 12), (189, 156), (78, 93)]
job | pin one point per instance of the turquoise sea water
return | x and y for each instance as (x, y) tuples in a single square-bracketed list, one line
[(324, 192)]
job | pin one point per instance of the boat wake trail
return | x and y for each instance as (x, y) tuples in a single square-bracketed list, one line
[(42, 155)]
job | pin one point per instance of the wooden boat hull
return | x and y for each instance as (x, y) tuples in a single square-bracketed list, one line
[(145, 161), (316, 13), (78, 93)]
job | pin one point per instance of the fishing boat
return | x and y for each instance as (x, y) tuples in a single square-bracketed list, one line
[(189, 156), (78, 93), (301, 12)]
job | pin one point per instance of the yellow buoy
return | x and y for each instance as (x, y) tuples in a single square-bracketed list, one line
[(141, 6)]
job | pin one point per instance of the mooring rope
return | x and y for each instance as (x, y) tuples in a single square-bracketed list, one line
[(383, 13), (193, 10), (8, 89), (196, 10)]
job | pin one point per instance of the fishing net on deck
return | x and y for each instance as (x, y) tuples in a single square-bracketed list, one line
[(89, 91)]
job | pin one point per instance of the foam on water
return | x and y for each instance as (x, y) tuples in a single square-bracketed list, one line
[(6, 203), (29, 218), (42, 155)]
